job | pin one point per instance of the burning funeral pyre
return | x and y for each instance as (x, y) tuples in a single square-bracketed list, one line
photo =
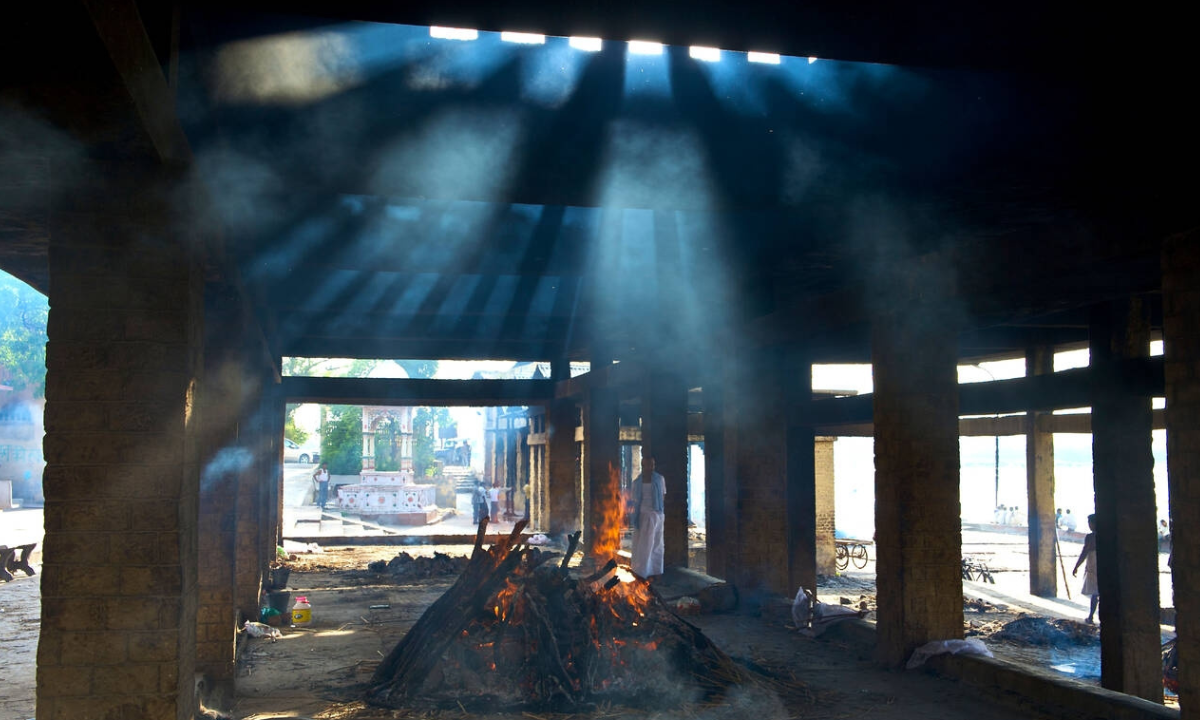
[(519, 630)]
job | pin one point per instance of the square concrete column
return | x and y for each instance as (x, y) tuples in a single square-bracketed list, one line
[(258, 493), (664, 436), (1126, 539), (1039, 482), (918, 529), (119, 578), (1181, 350)]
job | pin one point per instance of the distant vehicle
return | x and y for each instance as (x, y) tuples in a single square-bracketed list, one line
[(294, 453)]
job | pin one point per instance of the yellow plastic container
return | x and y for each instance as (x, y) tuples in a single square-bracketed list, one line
[(301, 612)]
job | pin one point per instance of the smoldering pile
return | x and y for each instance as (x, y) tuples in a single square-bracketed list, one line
[(409, 567), (519, 631)]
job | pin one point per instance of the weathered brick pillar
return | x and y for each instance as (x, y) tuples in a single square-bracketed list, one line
[(489, 445), (1126, 516), (1181, 343), (801, 481), (664, 435), (601, 432), (1039, 483), (257, 491), (219, 410), (826, 512), (119, 584), (918, 531), (716, 510), (562, 489), (761, 558)]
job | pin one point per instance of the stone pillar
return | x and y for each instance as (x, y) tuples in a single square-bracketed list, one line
[(1181, 342), (119, 579), (1039, 482), (1126, 540), (562, 489), (760, 559), (219, 409), (716, 510), (258, 496), (601, 433), (826, 512), (914, 353), (490, 426), (801, 481), (664, 436)]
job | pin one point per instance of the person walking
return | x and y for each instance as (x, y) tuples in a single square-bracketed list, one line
[(481, 502), (651, 490), (1087, 558), (321, 478)]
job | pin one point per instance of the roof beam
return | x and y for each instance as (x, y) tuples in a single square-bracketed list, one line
[(120, 28), (1056, 391), (405, 391)]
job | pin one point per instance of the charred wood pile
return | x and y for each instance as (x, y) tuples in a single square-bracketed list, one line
[(521, 629), (409, 567)]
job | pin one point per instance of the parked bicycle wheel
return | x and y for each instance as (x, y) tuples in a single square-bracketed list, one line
[(841, 557), (859, 556)]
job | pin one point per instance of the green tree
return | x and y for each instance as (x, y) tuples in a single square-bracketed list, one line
[(290, 431), (387, 447), (424, 460), (341, 443), (23, 315)]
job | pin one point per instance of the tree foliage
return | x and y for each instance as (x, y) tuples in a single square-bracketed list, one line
[(341, 443), (424, 461), (290, 431), (387, 445), (23, 316)]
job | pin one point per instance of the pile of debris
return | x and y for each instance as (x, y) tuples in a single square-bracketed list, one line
[(407, 566), (1042, 631), (519, 631)]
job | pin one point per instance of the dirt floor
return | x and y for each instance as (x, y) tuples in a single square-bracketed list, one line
[(321, 671)]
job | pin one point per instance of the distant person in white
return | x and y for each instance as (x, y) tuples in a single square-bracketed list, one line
[(1068, 521), (650, 491)]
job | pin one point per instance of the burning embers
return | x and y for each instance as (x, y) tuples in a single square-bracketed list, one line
[(516, 629)]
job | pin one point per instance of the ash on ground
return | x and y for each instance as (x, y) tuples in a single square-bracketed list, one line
[(407, 566)]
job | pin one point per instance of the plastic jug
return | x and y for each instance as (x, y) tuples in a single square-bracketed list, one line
[(301, 612)]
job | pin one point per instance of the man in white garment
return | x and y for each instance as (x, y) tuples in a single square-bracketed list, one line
[(650, 489)]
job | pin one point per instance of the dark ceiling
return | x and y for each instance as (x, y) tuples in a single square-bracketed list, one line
[(387, 194)]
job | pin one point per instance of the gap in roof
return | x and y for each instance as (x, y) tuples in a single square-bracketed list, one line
[(523, 38), (707, 54), (449, 33), (765, 58), (588, 44), (645, 47)]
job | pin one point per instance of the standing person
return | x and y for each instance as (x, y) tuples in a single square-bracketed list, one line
[(321, 478), (481, 502), (1090, 586), (494, 501), (467, 452), (1068, 521), (1058, 518), (650, 491)]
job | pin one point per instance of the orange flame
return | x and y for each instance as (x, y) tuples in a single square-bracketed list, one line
[(610, 509), (504, 599)]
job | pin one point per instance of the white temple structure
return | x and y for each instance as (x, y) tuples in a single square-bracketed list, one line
[(389, 496)]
